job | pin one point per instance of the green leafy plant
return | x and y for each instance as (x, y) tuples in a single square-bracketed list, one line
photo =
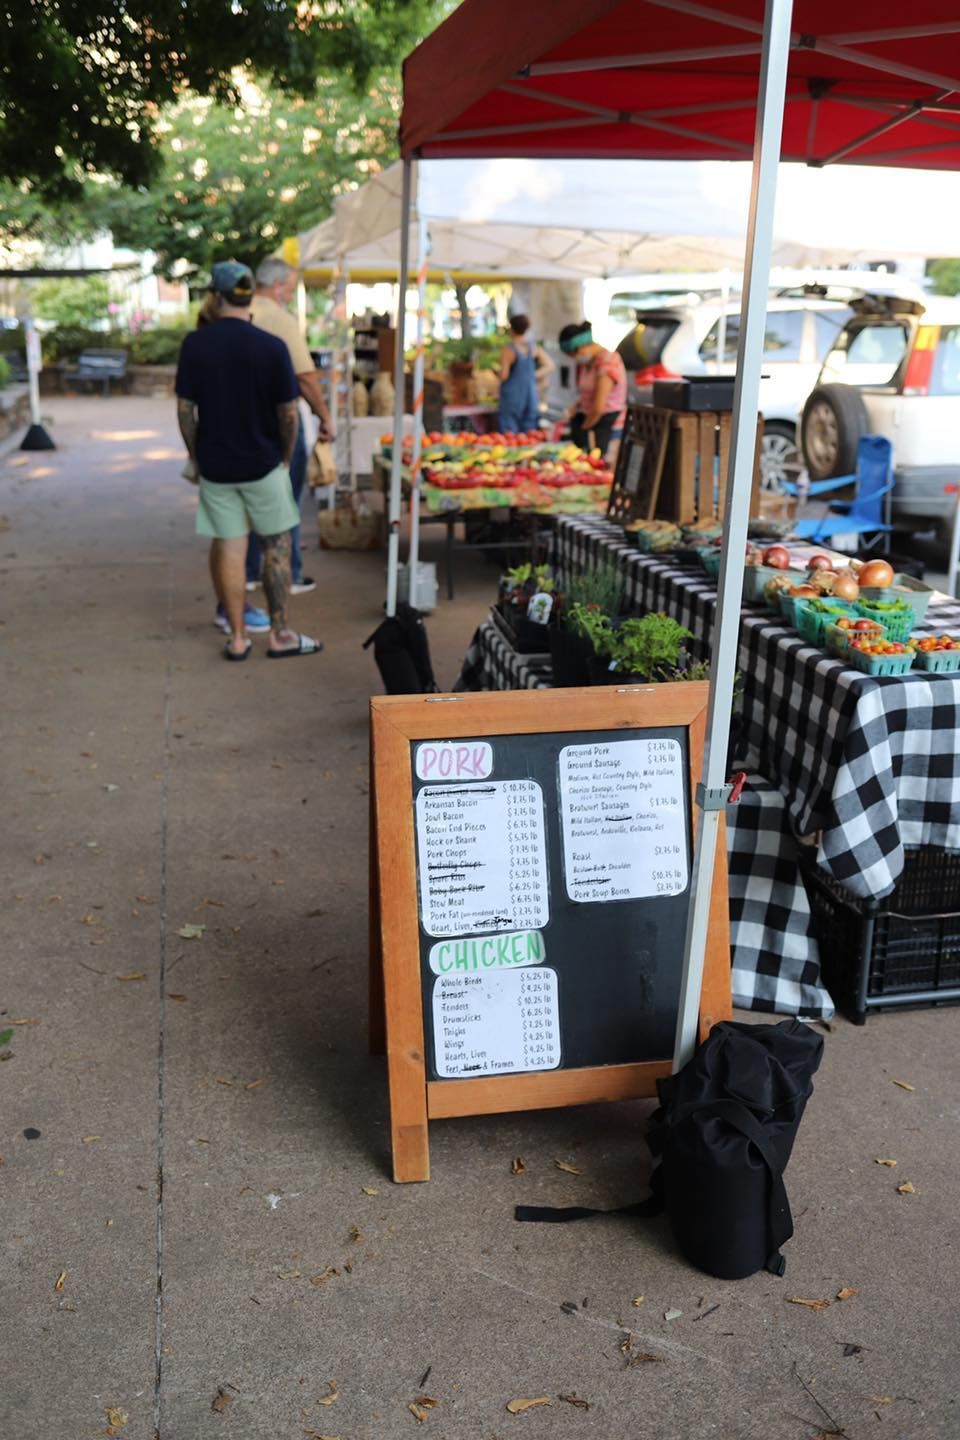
[(530, 578), (593, 623), (650, 647), (4, 373), (602, 588), (72, 302)]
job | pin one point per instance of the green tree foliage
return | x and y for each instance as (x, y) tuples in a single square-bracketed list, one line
[(945, 275), (236, 181), (83, 82), (75, 303)]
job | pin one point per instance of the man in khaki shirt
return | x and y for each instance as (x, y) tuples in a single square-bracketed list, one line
[(276, 282)]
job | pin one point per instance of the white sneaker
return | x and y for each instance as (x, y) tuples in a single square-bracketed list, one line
[(303, 586), (253, 585)]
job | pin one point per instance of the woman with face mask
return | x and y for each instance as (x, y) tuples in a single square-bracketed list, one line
[(601, 386)]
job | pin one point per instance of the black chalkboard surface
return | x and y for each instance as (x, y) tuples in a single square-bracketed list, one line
[(518, 882)]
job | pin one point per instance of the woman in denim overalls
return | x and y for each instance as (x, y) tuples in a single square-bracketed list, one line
[(519, 407)]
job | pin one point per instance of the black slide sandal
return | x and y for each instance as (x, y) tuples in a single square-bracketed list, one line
[(304, 646), (229, 654)]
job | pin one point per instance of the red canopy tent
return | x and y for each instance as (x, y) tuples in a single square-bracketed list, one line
[(868, 82), (675, 79)]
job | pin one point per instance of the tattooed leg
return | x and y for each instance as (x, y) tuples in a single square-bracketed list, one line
[(276, 584)]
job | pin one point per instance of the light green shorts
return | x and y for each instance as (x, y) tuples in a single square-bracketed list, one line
[(265, 506)]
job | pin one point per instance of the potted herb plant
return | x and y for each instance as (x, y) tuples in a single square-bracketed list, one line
[(593, 604), (645, 649), (527, 616)]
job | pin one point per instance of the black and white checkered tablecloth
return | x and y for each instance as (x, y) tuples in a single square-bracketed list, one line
[(491, 663), (869, 765), (775, 961)]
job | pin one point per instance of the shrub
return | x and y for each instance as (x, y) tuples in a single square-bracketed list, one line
[(67, 341), (13, 339), (72, 303), (4, 373), (157, 347)]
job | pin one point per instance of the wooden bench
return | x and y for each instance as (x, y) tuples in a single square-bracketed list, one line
[(100, 367)]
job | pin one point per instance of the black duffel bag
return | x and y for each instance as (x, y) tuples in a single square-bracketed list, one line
[(402, 652), (723, 1134)]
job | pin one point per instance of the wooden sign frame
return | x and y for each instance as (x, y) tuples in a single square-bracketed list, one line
[(396, 998), (640, 461)]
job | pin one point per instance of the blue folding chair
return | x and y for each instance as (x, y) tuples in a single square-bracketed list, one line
[(863, 515)]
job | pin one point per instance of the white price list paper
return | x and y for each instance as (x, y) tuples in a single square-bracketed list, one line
[(496, 1024), (482, 857), (623, 819)]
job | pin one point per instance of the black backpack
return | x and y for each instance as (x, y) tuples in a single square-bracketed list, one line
[(723, 1134), (402, 653)]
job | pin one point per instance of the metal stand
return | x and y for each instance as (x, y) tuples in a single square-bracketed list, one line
[(712, 795), (396, 458), (413, 555), (36, 437)]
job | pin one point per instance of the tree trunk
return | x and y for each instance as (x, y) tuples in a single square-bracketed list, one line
[(464, 309)]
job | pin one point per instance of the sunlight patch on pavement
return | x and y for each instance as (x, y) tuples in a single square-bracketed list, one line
[(124, 434), (162, 454)]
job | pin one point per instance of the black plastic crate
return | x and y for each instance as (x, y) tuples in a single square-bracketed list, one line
[(902, 950), (695, 392)]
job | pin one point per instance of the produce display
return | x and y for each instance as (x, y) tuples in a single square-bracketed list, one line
[(503, 468)]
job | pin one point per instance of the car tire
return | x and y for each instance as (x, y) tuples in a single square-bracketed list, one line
[(779, 459), (833, 420)]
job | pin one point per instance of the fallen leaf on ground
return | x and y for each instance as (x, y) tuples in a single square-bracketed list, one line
[(324, 1275), (643, 1357), (906, 1189), (517, 1166), (252, 1084), (24, 1022), (355, 1233), (568, 1169), (209, 900), (332, 1394), (574, 1399), (810, 1304), (368, 1190), (134, 975), (5, 1037), (117, 1417), (191, 932), (172, 995), (89, 1139), (847, 1293), (221, 1400), (427, 1401), (638, 1299), (672, 1314), (222, 1081), (883, 1160), (419, 1412), (88, 920), (904, 1085), (60, 1281), (626, 1344), (517, 1407)]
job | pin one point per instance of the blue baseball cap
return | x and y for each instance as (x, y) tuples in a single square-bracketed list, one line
[(234, 280)]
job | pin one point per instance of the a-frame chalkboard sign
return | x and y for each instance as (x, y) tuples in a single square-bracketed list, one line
[(530, 864)]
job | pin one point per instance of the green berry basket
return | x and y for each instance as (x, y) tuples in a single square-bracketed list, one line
[(755, 577), (904, 587), (898, 623), (710, 559), (838, 640), (940, 661), (811, 617), (879, 664)]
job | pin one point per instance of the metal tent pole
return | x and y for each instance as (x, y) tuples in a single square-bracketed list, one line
[(36, 437), (413, 558), (713, 791), (396, 456)]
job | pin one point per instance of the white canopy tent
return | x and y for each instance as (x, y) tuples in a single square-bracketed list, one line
[(566, 220)]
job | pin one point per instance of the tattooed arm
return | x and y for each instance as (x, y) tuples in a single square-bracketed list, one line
[(187, 420), (288, 421)]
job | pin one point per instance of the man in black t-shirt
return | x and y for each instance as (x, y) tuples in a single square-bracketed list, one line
[(237, 410)]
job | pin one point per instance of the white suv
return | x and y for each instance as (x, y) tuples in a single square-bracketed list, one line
[(685, 340), (894, 371)]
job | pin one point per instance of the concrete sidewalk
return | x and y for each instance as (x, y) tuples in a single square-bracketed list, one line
[(195, 1190)]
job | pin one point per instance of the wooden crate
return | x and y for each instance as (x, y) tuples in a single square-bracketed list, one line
[(693, 483)]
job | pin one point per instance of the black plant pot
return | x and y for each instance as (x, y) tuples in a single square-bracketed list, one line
[(526, 636), (571, 654)]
